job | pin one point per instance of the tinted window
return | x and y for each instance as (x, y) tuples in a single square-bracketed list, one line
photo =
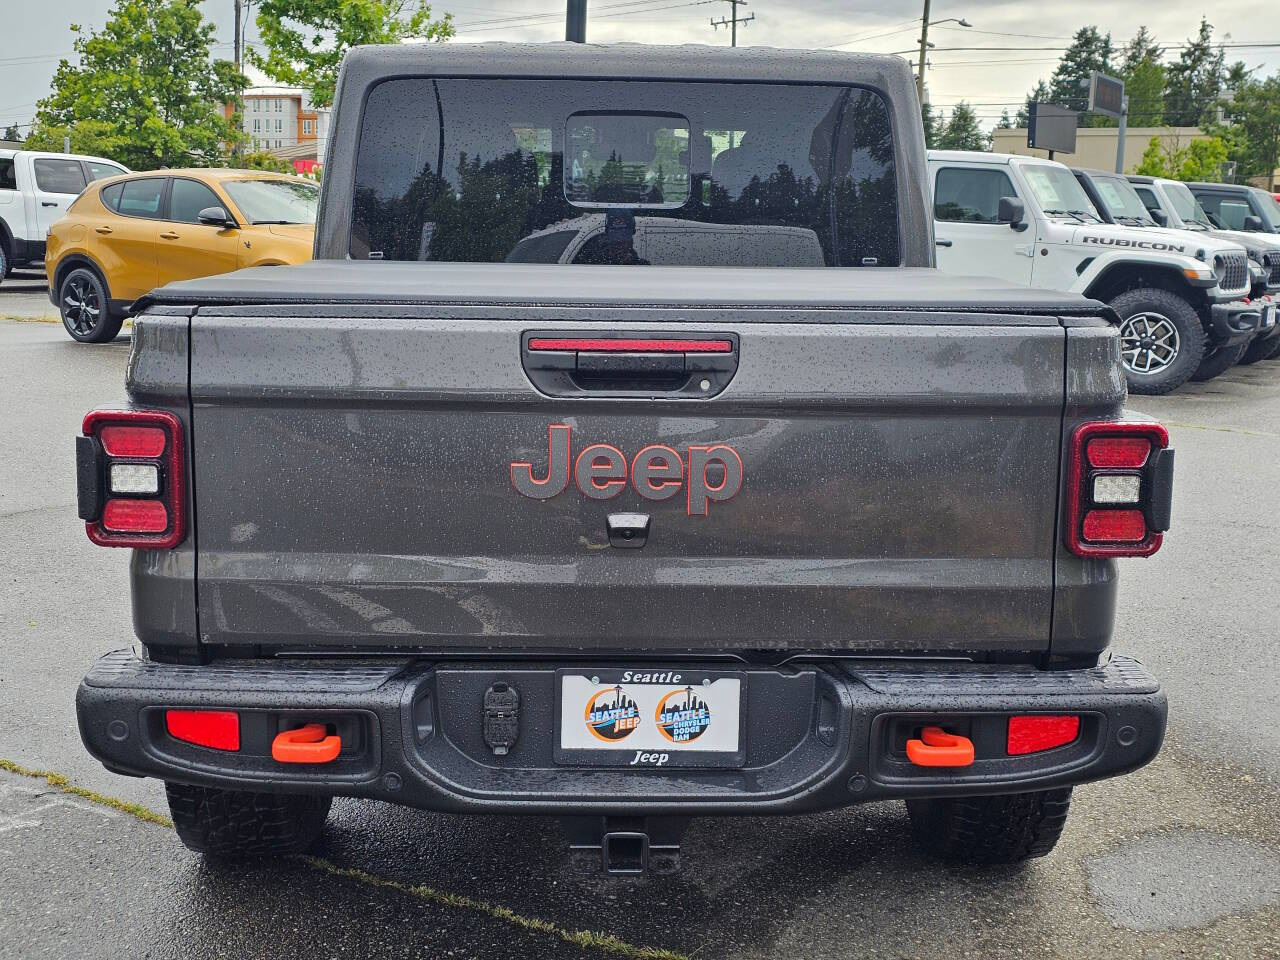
[(8, 181), (187, 198), (970, 196), (100, 171), (111, 196), (59, 176), (1148, 198), (1227, 211), (475, 170), (141, 198)]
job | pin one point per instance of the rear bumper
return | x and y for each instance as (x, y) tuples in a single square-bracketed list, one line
[(1234, 323), (816, 736)]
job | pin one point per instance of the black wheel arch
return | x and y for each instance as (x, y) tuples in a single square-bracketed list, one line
[(1125, 275), (73, 260)]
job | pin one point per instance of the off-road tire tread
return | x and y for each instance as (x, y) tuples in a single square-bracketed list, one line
[(1218, 362), (1008, 828), (1190, 332), (235, 824)]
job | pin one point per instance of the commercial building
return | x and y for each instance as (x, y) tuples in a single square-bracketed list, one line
[(1096, 146), (284, 122)]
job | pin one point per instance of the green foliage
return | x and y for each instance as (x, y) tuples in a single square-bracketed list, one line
[(1255, 133), (262, 161), (1039, 95), (1194, 82), (145, 90), (962, 132), (1144, 80), (932, 125), (11, 133), (1198, 160), (92, 137), (1069, 86), (306, 40), (1005, 122)]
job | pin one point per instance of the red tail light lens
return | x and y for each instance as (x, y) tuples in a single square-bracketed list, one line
[(119, 440), (1119, 489), (218, 729), (135, 516), (131, 479), (1129, 452), (1032, 734), (1115, 526)]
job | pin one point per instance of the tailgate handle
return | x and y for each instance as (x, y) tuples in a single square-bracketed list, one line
[(619, 365)]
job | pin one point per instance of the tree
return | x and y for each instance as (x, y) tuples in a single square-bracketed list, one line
[(1090, 51), (145, 88), (306, 40), (1193, 83), (262, 161), (1039, 95), (1004, 123), (1144, 80), (932, 125), (1199, 160), (1255, 108), (962, 132), (12, 134), (93, 137)]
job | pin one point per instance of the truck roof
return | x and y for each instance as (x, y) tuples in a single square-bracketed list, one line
[(975, 156), (321, 282), (631, 61)]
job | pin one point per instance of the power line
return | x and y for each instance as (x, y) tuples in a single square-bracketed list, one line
[(733, 20)]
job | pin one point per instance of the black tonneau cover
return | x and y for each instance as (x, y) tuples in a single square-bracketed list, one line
[(916, 290)]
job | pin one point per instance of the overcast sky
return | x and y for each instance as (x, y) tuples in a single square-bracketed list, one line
[(36, 34)]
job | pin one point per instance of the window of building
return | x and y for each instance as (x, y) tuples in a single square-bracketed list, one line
[(279, 125), (963, 195), (307, 126), (257, 125)]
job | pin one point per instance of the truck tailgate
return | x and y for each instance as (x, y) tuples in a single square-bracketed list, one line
[(353, 483)]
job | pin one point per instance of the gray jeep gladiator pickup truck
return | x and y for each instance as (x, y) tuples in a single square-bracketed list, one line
[(651, 534)]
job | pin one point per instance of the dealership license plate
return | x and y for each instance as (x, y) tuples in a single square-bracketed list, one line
[(650, 718)]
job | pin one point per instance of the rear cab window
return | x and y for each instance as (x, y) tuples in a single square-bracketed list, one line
[(100, 171), (8, 177), (625, 172)]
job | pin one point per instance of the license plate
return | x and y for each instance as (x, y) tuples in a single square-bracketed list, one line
[(1269, 316), (650, 718)]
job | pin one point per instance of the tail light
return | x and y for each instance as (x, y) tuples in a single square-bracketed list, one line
[(130, 473), (1120, 489)]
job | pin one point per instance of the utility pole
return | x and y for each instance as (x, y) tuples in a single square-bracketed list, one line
[(733, 20), (924, 50), (575, 21), (236, 39)]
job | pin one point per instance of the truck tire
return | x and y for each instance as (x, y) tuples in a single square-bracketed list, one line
[(1007, 828), (1261, 350), (85, 308), (1275, 350), (1161, 339), (5, 263), (233, 824), (1218, 361)]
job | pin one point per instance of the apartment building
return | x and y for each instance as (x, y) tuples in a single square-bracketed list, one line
[(283, 119)]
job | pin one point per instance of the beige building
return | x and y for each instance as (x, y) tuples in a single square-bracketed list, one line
[(1096, 146), (283, 120)]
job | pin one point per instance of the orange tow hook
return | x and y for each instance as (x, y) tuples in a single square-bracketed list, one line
[(937, 748), (307, 744)]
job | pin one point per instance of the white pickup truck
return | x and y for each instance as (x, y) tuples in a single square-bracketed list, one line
[(1179, 298), (35, 190)]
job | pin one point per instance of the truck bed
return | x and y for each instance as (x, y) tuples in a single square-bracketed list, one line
[(355, 425)]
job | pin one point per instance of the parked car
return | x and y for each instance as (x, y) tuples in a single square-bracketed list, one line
[(1116, 199), (1171, 203), (1238, 206), (36, 189), (1028, 220), (127, 235), (624, 543)]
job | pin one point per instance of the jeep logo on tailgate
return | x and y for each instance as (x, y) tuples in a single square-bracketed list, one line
[(657, 472)]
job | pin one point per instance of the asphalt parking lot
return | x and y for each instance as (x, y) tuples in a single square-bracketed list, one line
[(1181, 859)]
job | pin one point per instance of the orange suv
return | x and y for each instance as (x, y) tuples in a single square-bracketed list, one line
[(128, 235)]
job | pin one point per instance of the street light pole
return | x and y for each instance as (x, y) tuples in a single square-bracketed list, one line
[(924, 50)]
